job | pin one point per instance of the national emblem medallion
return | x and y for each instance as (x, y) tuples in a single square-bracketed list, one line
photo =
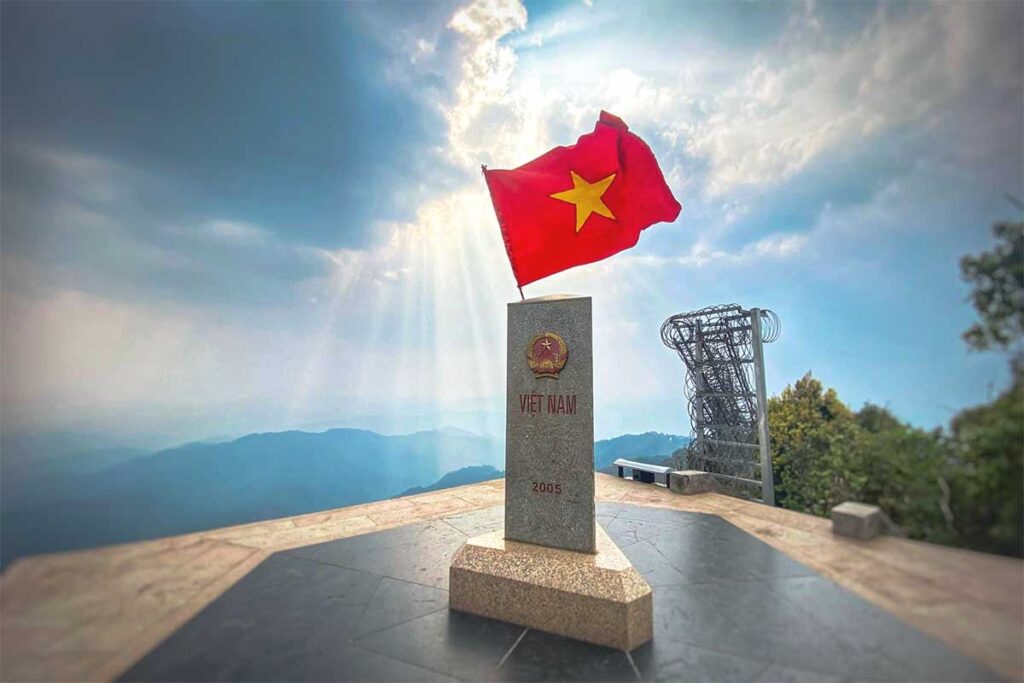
[(546, 354)]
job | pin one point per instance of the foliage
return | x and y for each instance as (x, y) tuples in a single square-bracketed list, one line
[(812, 437), (823, 454), (903, 470), (962, 488), (998, 294), (958, 489), (986, 492), (986, 487)]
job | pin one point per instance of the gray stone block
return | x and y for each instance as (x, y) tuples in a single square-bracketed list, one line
[(689, 482), (857, 520), (549, 432)]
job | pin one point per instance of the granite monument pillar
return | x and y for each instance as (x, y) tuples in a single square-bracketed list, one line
[(552, 568), (549, 424)]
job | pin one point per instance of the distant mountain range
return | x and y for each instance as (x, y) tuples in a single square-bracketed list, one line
[(467, 475), (56, 499), (648, 447)]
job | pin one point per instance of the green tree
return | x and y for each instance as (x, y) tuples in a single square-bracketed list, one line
[(876, 419), (964, 487), (904, 470), (998, 294), (824, 454), (987, 478), (987, 497), (812, 435)]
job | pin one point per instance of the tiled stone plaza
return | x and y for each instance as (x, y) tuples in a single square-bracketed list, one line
[(741, 592)]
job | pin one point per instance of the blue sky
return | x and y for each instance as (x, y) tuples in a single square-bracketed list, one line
[(220, 218)]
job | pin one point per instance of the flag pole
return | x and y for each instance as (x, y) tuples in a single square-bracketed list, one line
[(521, 293)]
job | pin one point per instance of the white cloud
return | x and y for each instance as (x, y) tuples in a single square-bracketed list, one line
[(83, 177), (773, 249), (108, 229), (423, 48), (448, 265), (236, 232), (415, 318), (419, 316), (630, 95), (770, 248), (811, 94), (485, 119), (76, 360)]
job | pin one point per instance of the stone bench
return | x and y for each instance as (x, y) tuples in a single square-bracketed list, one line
[(642, 471)]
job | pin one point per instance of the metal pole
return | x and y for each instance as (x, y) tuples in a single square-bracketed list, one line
[(698, 399), (767, 479)]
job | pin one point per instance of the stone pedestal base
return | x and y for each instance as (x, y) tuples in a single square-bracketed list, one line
[(596, 597)]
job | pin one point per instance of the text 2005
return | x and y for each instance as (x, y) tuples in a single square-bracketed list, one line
[(547, 487)]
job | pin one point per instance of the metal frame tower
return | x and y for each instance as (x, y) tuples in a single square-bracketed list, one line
[(722, 347)]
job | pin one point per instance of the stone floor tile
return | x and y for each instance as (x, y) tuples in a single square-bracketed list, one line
[(658, 514), (291, 536), (321, 662), (679, 662), (57, 610), (479, 522), (283, 621), (632, 530), (777, 673), (459, 645), (768, 625), (652, 565), (698, 553), (875, 631), (547, 657), (420, 553), (396, 602)]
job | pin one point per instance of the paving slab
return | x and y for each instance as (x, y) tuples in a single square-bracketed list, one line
[(309, 614), (90, 615)]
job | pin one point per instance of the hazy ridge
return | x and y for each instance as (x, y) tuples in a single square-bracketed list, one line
[(111, 495)]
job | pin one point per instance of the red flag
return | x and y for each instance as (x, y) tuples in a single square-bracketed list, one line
[(581, 203)]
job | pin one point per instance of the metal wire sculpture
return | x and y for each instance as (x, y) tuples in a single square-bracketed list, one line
[(717, 345)]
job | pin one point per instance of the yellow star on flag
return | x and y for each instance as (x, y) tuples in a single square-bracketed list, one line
[(587, 198)]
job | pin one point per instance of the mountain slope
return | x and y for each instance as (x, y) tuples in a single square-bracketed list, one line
[(260, 476), (467, 475), (650, 446), (202, 486)]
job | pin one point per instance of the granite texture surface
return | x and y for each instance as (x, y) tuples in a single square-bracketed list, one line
[(691, 482), (549, 451), (857, 520), (91, 615), (727, 606), (594, 597)]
